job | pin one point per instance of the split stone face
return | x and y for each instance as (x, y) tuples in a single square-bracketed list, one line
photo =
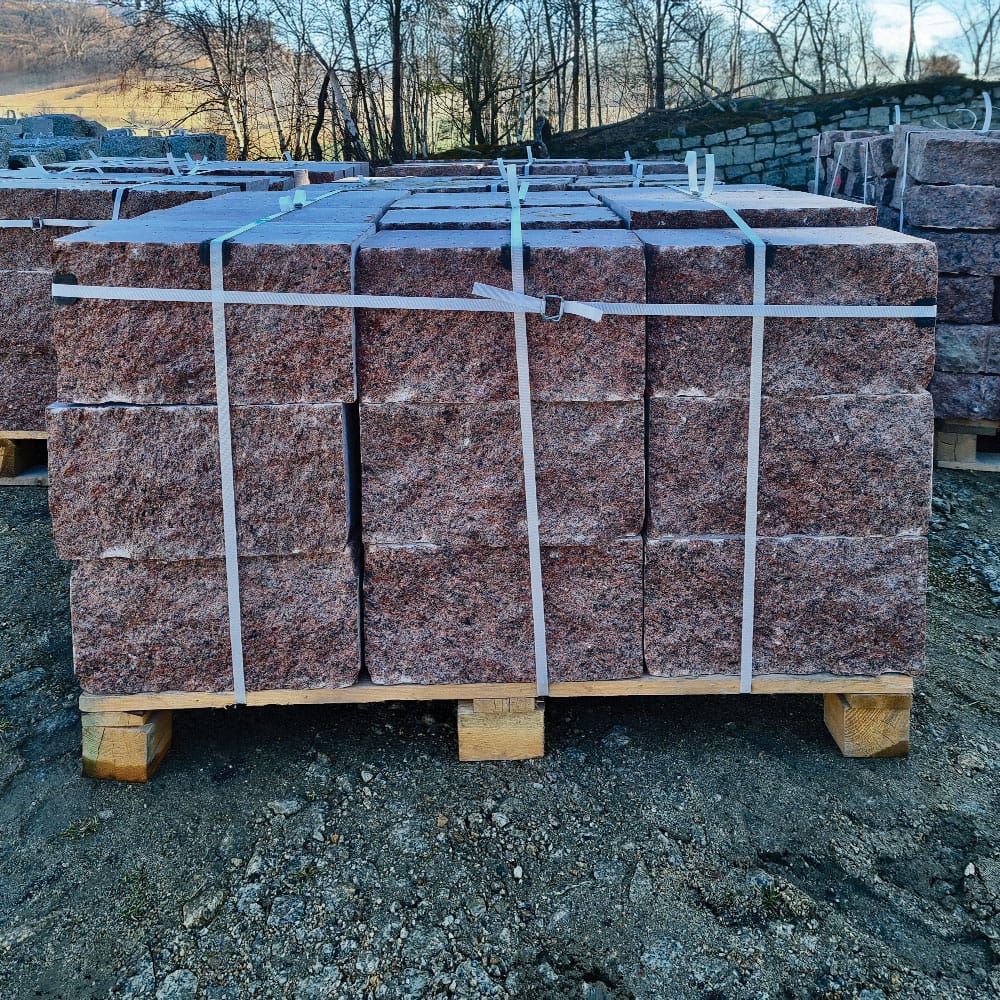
[(833, 465), (964, 253), (653, 209), (162, 352), (144, 627), (966, 299), (27, 386), (25, 311), (457, 356), (968, 348), (952, 206), (848, 266), (144, 482), (852, 155), (854, 606), (942, 157), (966, 397), (463, 614), (453, 473)]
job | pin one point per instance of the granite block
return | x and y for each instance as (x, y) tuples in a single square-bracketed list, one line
[(966, 397), (964, 253), (974, 349), (966, 299), (653, 209), (463, 615), (845, 266), (27, 386), (162, 352), (451, 356), (829, 465), (943, 157), (494, 199), (853, 606), (453, 473), (457, 168), (25, 311), (951, 206), (544, 217), (144, 627), (144, 482)]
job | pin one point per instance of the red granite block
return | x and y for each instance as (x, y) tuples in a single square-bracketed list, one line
[(450, 473), (847, 266), (25, 311), (418, 168), (144, 482), (830, 465), (145, 627), (966, 397), (966, 299), (494, 199), (532, 217), (853, 606), (974, 349), (964, 253), (452, 356), (943, 157), (27, 386), (160, 352), (950, 206), (649, 208), (872, 153), (442, 615)]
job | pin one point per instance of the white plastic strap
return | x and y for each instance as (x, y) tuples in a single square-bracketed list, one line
[(896, 119), (988, 113), (628, 156), (172, 163), (864, 187), (527, 439), (637, 171), (836, 170), (816, 166), (902, 180)]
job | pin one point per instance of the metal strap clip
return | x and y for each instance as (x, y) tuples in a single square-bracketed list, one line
[(555, 306)]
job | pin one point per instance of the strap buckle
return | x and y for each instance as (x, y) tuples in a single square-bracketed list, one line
[(553, 302), (37, 222)]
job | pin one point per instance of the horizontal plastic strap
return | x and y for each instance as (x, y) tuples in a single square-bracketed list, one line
[(50, 223), (495, 300)]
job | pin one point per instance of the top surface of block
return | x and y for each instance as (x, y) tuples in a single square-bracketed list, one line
[(493, 199), (545, 217)]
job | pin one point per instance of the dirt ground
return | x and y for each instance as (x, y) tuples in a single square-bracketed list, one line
[(665, 848)]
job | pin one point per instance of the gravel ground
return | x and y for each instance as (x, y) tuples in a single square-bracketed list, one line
[(665, 848)]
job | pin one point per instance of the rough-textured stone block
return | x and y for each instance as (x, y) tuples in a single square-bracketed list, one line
[(463, 615), (873, 153), (945, 157), (25, 311), (829, 465), (651, 209), (453, 473), (27, 386), (143, 627), (967, 299), (964, 253), (417, 168), (545, 217), (162, 352), (968, 348), (836, 605), (966, 397), (144, 482), (493, 199), (446, 356), (951, 206), (846, 266)]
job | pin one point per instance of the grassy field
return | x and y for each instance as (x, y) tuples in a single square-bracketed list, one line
[(103, 101)]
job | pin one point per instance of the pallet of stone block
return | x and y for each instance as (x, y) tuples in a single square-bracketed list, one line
[(315, 172), (23, 460), (126, 737), (972, 445)]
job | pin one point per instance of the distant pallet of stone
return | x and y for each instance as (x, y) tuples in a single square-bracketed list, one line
[(126, 737), (317, 172), (409, 581), (971, 445), (23, 458)]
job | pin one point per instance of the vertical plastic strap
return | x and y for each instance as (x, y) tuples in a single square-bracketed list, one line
[(628, 156), (836, 170), (902, 180), (864, 187), (988, 113), (637, 171), (691, 162), (527, 440), (816, 166), (116, 211), (531, 159), (172, 163)]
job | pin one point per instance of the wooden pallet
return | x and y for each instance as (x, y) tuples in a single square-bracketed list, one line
[(126, 736), (23, 458), (973, 445)]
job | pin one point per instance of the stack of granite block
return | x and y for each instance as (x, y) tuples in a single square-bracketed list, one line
[(134, 460), (866, 171), (828, 151), (952, 196), (27, 359), (845, 456), (447, 597)]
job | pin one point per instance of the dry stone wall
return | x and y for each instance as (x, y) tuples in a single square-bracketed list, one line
[(780, 151)]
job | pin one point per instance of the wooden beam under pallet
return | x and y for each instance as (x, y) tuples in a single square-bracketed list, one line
[(869, 725), (501, 729), (125, 746)]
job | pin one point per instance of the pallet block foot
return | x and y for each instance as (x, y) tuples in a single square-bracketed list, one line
[(125, 746), (962, 444), (869, 725), (23, 458), (501, 729)]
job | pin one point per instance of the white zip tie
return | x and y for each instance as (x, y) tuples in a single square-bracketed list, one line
[(527, 439)]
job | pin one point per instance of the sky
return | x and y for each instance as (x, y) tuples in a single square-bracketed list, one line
[(936, 29)]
